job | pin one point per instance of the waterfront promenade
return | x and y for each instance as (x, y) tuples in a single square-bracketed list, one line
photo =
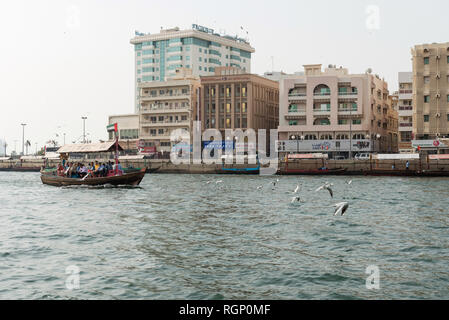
[(353, 167)]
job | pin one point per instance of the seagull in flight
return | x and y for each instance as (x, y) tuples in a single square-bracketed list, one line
[(259, 187), (219, 181), (297, 189), (341, 208), (296, 199), (349, 182), (327, 186)]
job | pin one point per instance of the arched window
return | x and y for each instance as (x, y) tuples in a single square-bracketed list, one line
[(310, 137), (342, 137), (358, 136), (326, 137), (322, 90)]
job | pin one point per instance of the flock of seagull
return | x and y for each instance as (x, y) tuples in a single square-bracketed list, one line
[(340, 208)]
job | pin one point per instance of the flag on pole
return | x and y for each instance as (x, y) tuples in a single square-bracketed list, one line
[(112, 127)]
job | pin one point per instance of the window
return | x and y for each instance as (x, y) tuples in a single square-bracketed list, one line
[(342, 122), (426, 60), (200, 59), (201, 50), (160, 131), (200, 68), (293, 123), (357, 121), (228, 108), (448, 117), (244, 107), (426, 99), (426, 80), (448, 98), (426, 118)]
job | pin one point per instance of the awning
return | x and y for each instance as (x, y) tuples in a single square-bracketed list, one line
[(90, 147)]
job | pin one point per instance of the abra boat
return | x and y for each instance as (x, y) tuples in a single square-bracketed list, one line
[(127, 179), (115, 178)]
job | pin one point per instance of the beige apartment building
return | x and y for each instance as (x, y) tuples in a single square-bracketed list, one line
[(165, 107), (233, 99), (405, 110), (430, 94), (337, 113)]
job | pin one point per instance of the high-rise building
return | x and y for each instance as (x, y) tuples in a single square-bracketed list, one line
[(405, 110), (157, 56), (431, 91), (336, 112)]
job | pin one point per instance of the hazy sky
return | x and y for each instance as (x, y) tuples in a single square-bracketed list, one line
[(61, 60)]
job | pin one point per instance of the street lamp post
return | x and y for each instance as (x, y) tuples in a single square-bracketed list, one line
[(84, 129), (350, 133), (23, 137)]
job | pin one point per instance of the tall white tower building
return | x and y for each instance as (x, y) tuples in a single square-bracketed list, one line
[(157, 56)]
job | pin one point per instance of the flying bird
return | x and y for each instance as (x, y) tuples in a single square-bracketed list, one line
[(349, 182), (259, 187), (341, 208), (327, 187), (297, 189), (296, 199)]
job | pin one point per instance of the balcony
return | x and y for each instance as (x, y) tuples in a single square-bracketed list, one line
[(347, 111), (297, 96), (164, 109), (322, 111), (173, 96), (155, 124)]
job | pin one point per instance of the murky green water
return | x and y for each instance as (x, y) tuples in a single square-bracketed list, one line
[(180, 238)]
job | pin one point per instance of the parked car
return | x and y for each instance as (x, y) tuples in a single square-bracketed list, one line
[(362, 156)]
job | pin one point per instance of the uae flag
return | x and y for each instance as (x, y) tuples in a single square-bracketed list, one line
[(112, 127)]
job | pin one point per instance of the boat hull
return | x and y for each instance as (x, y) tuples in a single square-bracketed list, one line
[(129, 179), (312, 172)]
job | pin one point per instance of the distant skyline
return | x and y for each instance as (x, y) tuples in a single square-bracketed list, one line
[(61, 60)]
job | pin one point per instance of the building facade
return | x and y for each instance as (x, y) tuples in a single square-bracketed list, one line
[(430, 91), (405, 110), (128, 131), (337, 113), (232, 99), (165, 107), (157, 56)]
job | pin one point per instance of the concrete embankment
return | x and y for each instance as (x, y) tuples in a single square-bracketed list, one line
[(351, 166)]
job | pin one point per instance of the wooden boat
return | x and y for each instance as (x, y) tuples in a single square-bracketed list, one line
[(131, 177), (127, 179), (406, 173), (238, 170), (312, 172)]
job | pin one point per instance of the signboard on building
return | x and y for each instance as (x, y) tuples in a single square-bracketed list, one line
[(324, 146), (433, 144), (219, 145)]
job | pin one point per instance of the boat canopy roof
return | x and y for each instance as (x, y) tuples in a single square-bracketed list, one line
[(90, 147)]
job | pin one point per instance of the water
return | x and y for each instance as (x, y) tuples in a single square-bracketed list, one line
[(179, 238)]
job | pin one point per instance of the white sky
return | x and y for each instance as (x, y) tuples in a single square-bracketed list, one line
[(60, 60)]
